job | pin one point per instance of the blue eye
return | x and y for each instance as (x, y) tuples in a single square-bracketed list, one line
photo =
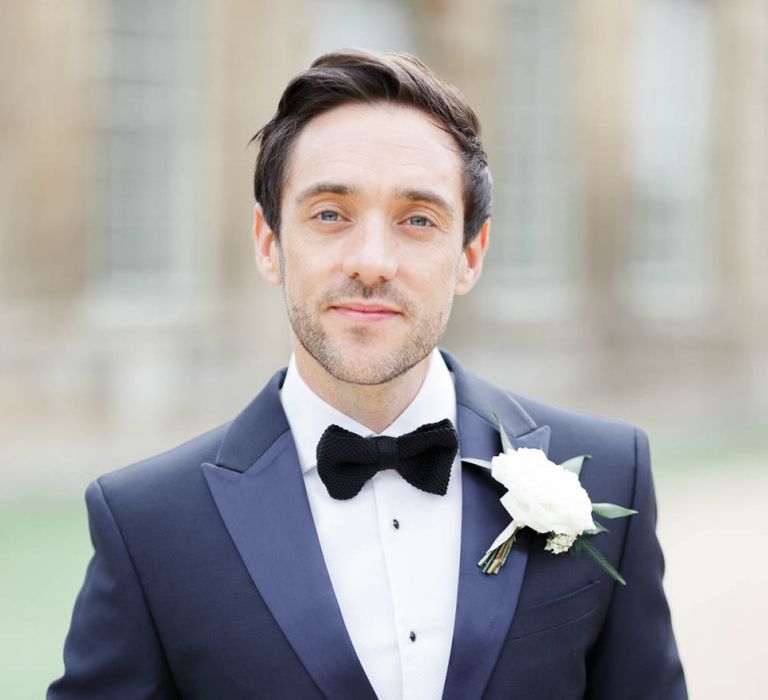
[(329, 215), (418, 221)]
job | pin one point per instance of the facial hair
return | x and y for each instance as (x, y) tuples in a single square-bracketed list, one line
[(316, 341)]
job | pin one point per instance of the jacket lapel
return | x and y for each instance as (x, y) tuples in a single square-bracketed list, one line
[(485, 603), (259, 491)]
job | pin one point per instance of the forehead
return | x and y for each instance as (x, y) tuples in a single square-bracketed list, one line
[(379, 147)]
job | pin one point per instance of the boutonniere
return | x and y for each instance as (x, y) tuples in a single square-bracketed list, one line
[(549, 499)]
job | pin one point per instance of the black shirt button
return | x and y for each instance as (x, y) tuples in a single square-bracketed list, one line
[(396, 524), (412, 636)]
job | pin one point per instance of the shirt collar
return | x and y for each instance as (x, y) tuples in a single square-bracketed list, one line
[(309, 416)]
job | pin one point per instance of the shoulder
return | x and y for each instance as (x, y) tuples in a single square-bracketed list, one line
[(172, 483), (569, 427), (616, 444), (579, 430), (174, 475), (158, 512)]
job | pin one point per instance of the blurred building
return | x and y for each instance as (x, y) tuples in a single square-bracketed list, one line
[(629, 264)]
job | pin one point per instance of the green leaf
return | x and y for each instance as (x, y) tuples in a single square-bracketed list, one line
[(611, 510), (574, 464), (600, 559), (506, 445), (599, 527), (479, 462)]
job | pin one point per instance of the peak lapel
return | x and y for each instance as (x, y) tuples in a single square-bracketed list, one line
[(485, 603), (259, 491)]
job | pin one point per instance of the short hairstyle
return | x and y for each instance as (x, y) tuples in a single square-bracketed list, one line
[(358, 76)]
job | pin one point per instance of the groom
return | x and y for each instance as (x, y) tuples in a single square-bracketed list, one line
[(325, 542)]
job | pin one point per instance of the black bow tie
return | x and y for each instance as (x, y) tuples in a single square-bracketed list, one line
[(345, 461)]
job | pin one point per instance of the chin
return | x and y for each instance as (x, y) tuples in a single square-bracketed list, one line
[(370, 367)]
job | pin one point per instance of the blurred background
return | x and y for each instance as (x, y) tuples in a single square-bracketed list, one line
[(628, 272)]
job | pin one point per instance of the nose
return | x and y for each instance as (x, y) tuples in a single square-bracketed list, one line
[(371, 253)]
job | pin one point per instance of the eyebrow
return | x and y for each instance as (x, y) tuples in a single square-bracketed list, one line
[(428, 196), (324, 188)]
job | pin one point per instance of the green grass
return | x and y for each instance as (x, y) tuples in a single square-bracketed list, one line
[(44, 549)]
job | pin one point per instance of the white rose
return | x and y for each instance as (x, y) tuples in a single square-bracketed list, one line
[(541, 494)]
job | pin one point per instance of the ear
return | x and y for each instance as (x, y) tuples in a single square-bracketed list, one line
[(266, 248), (471, 265)]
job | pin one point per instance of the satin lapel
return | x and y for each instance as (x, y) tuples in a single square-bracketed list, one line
[(259, 491), (485, 603)]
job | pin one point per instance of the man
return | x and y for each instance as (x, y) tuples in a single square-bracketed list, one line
[(281, 557)]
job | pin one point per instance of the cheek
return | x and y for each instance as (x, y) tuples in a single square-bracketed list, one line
[(453, 269), (294, 264), (438, 283), (305, 281)]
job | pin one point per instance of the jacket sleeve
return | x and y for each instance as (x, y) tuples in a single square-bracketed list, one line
[(635, 656), (112, 650)]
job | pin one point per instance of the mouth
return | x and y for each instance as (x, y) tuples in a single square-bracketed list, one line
[(361, 311)]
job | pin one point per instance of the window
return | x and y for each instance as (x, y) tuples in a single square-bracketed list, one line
[(537, 219), (147, 214), (670, 262)]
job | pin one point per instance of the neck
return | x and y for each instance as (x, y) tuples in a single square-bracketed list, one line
[(375, 406)]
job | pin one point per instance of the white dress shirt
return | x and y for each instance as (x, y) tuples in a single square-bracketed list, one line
[(392, 551)]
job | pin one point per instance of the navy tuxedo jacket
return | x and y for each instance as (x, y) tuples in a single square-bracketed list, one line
[(208, 580)]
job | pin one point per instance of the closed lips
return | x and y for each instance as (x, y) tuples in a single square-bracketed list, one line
[(366, 311)]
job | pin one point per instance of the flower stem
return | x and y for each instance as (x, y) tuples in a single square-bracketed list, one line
[(494, 559)]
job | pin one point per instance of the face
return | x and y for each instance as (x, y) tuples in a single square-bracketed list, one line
[(370, 252)]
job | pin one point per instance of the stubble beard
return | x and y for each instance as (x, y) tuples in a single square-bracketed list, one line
[(359, 367)]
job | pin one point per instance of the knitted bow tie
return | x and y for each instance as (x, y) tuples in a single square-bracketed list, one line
[(345, 461)]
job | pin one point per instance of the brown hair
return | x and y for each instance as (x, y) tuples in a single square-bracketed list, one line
[(348, 76)]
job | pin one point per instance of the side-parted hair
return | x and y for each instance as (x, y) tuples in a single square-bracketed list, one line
[(367, 77)]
